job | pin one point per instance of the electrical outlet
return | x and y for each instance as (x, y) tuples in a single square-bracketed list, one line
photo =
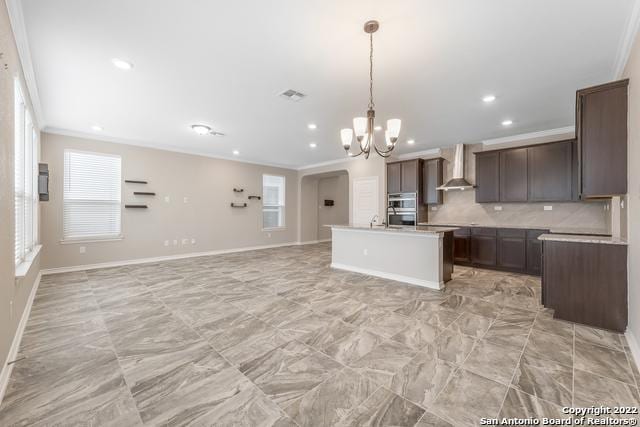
[(166, 243), (365, 252), (268, 235), (497, 208), (175, 243), (185, 241), (167, 199), (548, 208), (193, 241), (434, 208), (83, 249), (186, 200)]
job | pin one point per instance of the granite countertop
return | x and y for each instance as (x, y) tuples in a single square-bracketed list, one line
[(420, 229), (608, 240), (552, 229)]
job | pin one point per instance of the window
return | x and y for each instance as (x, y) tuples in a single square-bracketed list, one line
[(91, 196), (25, 191), (272, 201)]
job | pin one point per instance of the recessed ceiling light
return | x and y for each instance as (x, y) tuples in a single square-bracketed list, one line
[(507, 122), (97, 128), (201, 129), (236, 152), (411, 142), (313, 145), (377, 128), (312, 126), (122, 64), (489, 98)]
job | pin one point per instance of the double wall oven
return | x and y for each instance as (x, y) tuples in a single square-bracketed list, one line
[(402, 209)]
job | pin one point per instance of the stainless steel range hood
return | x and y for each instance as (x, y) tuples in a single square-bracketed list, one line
[(457, 182)]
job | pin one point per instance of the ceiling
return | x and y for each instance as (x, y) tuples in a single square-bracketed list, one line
[(223, 63)]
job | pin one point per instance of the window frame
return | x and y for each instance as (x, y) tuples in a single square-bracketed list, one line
[(282, 207), (26, 139), (97, 238)]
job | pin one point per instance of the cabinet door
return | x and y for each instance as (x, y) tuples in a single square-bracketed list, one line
[(513, 175), (393, 177), (410, 176), (534, 256), (487, 177), (432, 179), (483, 250), (512, 253), (550, 172), (461, 249), (602, 139)]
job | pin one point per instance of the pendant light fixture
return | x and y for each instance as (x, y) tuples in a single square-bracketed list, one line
[(363, 127)]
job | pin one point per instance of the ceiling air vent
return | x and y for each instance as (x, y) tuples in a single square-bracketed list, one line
[(292, 95)]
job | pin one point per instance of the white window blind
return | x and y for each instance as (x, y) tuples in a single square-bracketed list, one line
[(25, 170), (273, 201), (91, 196)]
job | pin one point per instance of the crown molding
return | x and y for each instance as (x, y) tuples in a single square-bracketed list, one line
[(115, 140), (16, 18), (626, 41), (530, 135), (327, 163), (418, 154)]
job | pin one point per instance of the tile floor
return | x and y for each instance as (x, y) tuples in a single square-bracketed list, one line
[(277, 338)]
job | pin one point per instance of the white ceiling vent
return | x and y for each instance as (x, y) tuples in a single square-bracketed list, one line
[(292, 95)]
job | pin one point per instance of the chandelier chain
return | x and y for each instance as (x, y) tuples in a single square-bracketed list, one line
[(371, 103)]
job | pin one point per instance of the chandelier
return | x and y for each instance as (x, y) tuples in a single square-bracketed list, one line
[(364, 127)]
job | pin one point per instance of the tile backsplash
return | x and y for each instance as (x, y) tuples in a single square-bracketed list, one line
[(460, 206)]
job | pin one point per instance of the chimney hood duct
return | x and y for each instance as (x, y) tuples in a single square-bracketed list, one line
[(457, 182)]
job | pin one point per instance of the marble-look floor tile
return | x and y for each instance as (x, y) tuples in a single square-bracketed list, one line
[(520, 317), (508, 334), (417, 334), (327, 334), (467, 398), (603, 361), (544, 379), (306, 324), (601, 337), (384, 408), (432, 420), (423, 378), (388, 324), (384, 361), (454, 346), (472, 305), (353, 346), (595, 390), (518, 405), (493, 361), (547, 346), (548, 324), (471, 324), (332, 400)]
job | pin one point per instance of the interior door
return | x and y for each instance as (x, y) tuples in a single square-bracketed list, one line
[(365, 199)]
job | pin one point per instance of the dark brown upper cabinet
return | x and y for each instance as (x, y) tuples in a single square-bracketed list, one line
[(394, 177), (550, 168), (601, 131), (488, 177), (405, 177), (432, 179), (513, 175)]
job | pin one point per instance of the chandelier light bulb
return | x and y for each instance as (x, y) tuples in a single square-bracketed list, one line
[(393, 127), (360, 126), (347, 137), (388, 140)]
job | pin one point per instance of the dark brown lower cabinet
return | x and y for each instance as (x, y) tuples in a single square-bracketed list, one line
[(512, 249), (507, 249), (586, 283)]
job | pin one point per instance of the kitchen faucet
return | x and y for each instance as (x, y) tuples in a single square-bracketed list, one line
[(373, 219)]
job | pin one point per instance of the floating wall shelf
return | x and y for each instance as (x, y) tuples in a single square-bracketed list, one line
[(136, 206), (238, 190), (144, 193), (254, 197), (238, 205), (133, 181)]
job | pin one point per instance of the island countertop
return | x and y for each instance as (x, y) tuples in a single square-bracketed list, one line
[(607, 240), (420, 229)]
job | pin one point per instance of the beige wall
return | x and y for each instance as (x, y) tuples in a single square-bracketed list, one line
[(334, 188), (632, 71), (13, 294), (356, 168), (460, 206), (207, 184)]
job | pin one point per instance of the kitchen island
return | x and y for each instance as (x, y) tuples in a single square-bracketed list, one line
[(421, 255)]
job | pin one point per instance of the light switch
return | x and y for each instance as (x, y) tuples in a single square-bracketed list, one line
[(186, 200), (167, 199), (193, 241), (548, 208), (175, 243), (497, 208), (166, 243), (83, 249)]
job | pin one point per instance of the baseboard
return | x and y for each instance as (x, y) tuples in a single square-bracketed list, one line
[(633, 346), (166, 258), (390, 276), (313, 242), (17, 338)]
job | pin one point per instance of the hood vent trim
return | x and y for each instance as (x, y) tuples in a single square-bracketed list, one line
[(457, 182)]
